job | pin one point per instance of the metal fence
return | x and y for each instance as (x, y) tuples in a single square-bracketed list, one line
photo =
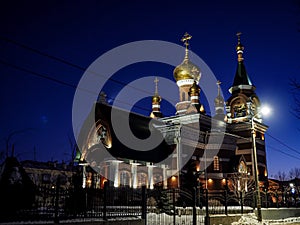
[(56, 203), (157, 206)]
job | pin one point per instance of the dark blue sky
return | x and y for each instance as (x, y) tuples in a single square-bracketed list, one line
[(81, 31)]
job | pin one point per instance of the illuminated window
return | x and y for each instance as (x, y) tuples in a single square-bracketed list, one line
[(242, 167), (89, 176), (216, 163), (124, 178)]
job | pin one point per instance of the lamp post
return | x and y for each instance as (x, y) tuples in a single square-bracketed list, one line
[(255, 165)]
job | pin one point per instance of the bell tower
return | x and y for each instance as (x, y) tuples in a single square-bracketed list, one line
[(243, 103), (243, 118)]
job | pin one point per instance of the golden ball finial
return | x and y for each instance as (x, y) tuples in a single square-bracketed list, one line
[(156, 99)]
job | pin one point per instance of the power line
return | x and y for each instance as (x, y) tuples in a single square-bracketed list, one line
[(284, 153), (284, 144), (37, 74), (42, 53), (43, 76), (70, 64), (77, 66)]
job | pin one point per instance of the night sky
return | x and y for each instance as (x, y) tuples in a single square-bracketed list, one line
[(45, 47)]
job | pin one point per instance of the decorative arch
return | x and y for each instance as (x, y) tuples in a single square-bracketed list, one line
[(238, 106)]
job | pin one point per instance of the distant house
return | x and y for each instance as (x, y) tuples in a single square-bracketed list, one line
[(17, 191)]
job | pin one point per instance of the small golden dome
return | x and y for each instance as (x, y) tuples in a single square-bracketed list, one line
[(219, 100), (187, 70), (195, 89), (156, 99)]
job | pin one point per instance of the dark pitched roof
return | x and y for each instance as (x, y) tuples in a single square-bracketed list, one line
[(241, 76), (140, 127)]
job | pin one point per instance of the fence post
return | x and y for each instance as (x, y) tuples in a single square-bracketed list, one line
[(174, 208), (194, 207), (241, 200), (207, 222), (226, 213), (56, 219), (105, 200), (144, 204)]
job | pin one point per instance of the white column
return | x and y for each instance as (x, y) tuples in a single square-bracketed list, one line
[(83, 176), (134, 173), (150, 175), (164, 176), (178, 157), (116, 172)]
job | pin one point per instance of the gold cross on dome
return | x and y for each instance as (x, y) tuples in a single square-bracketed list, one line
[(238, 34), (156, 85), (185, 39)]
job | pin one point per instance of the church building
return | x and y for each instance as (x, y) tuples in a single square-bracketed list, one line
[(195, 146)]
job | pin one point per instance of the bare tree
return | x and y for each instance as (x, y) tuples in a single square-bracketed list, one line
[(8, 144), (281, 176), (294, 173), (240, 183)]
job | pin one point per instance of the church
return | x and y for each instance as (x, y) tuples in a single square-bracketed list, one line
[(195, 147)]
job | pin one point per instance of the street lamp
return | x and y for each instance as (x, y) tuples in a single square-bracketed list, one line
[(264, 111)]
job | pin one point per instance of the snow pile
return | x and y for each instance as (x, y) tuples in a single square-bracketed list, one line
[(250, 219)]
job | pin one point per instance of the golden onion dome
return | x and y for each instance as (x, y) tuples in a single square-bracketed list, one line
[(194, 89), (219, 100), (187, 70)]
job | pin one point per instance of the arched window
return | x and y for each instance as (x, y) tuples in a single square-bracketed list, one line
[(216, 163), (142, 179), (124, 178), (158, 179)]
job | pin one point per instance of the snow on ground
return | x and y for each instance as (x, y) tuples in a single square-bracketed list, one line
[(250, 219)]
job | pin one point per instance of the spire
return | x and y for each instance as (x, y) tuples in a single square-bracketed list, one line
[(156, 99), (241, 75), (219, 100), (239, 48), (156, 85), (185, 39)]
